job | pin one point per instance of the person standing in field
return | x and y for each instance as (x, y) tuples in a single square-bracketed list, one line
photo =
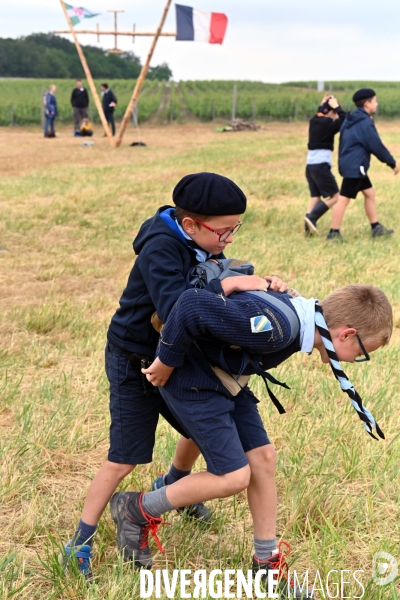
[(80, 103), (109, 102), (358, 140), (51, 112), (322, 183)]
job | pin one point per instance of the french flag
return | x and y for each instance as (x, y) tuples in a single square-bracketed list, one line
[(194, 25)]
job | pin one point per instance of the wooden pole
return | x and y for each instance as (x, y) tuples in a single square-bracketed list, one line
[(132, 33), (89, 78), (141, 77)]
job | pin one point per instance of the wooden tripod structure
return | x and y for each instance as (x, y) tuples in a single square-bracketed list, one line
[(135, 94)]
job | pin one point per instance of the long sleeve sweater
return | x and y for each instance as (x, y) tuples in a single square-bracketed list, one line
[(206, 329)]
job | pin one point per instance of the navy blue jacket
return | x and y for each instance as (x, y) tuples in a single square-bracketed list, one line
[(50, 105), (358, 140), (156, 281), (202, 325)]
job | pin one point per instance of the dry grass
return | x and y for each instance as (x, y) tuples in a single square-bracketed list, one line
[(69, 215)]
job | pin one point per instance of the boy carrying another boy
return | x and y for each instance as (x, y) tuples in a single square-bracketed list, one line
[(207, 333), (358, 140), (202, 223), (321, 181)]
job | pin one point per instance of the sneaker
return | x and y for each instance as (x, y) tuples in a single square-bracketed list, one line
[(285, 588), (381, 230), (133, 527), (311, 225), (82, 554), (334, 235), (197, 511)]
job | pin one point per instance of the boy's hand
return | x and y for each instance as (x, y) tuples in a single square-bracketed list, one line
[(276, 284), (396, 170), (333, 103), (244, 283), (247, 283), (158, 373)]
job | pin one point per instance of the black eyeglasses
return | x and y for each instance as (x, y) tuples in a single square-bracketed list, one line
[(366, 355), (223, 235)]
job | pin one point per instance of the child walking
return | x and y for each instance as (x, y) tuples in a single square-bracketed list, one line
[(358, 140), (321, 181)]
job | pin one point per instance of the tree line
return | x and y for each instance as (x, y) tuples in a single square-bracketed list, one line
[(44, 55)]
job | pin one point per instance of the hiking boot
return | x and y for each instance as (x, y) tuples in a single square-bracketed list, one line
[(197, 511), (133, 527), (311, 225), (82, 554), (334, 235), (285, 588), (381, 230)]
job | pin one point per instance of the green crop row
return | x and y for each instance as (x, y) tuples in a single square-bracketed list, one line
[(21, 100)]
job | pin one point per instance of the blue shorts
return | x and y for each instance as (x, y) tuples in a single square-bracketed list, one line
[(134, 415), (223, 429)]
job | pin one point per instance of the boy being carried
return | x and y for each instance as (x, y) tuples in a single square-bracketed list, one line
[(358, 140), (322, 183), (239, 335)]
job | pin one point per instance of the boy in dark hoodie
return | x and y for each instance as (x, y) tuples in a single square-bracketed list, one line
[(205, 217), (358, 140), (322, 183)]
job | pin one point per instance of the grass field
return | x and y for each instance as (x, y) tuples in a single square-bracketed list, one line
[(68, 217)]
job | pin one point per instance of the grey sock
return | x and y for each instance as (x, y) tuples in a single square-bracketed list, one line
[(156, 502), (263, 549)]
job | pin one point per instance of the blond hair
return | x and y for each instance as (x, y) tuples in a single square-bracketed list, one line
[(364, 307)]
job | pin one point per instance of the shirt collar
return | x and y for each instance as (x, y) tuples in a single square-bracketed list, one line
[(305, 309)]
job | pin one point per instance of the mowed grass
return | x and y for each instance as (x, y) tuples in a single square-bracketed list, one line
[(68, 217)]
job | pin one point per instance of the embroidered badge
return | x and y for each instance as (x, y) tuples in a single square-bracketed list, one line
[(260, 324)]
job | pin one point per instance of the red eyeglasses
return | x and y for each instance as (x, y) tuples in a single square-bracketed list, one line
[(223, 235)]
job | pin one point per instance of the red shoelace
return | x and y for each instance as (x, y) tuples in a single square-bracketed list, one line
[(278, 560), (151, 527)]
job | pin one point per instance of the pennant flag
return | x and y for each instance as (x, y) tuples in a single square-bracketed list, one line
[(194, 25), (78, 13)]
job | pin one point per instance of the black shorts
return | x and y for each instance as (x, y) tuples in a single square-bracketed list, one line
[(350, 187), (321, 180)]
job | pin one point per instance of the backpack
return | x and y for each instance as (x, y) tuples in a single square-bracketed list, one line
[(202, 274)]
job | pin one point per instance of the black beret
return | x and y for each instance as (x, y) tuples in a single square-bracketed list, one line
[(363, 94), (209, 194)]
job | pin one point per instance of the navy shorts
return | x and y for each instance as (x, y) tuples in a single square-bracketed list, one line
[(350, 187), (321, 180), (223, 429), (134, 415)]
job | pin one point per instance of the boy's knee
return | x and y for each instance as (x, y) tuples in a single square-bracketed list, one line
[(263, 460), (119, 470), (237, 481), (333, 199)]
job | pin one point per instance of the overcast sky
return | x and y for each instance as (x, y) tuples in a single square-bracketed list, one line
[(266, 40)]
